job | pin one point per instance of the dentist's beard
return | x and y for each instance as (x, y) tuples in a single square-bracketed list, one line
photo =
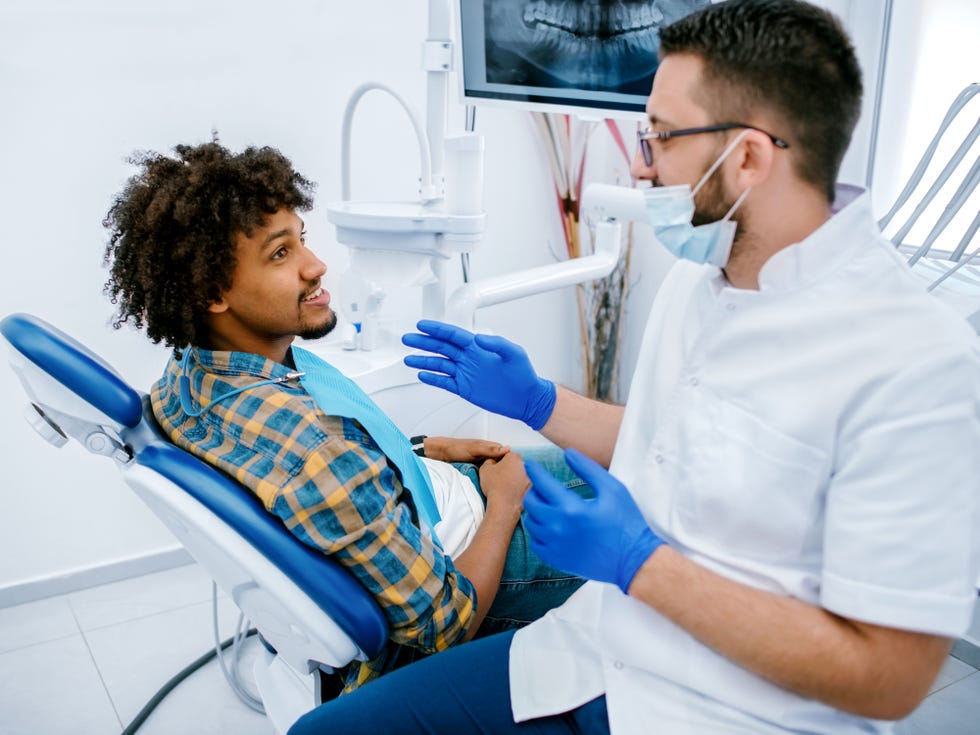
[(709, 204)]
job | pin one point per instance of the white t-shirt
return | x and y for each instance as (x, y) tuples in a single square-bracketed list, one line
[(817, 438), (460, 506)]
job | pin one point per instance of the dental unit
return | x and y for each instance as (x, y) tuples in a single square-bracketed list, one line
[(410, 244)]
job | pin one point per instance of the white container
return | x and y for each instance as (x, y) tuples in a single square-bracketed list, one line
[(464, 174)]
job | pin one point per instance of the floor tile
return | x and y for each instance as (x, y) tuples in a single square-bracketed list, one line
[(952, 671), (36, 622), (130, 599), (216, 709), (54, 688), (138, 657), (953, 710)]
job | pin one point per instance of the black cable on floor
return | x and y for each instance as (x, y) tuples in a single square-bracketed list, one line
[(172, 684)]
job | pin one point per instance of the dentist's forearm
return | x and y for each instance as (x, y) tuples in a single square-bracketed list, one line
[(872, 671), (588, 425)]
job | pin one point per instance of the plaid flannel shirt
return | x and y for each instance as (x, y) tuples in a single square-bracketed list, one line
[(330, 484)]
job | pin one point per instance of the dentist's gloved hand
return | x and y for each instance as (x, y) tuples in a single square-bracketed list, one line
[(490, 372), (604, 538)]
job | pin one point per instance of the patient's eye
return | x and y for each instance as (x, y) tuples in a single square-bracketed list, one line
[(279, 254), (302, 237)]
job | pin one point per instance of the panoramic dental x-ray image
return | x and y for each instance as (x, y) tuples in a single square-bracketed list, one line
[(586, 44)]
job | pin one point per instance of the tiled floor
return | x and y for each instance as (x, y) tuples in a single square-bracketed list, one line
[(86, 662)]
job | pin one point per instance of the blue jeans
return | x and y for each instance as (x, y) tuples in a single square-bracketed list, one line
[(528, 586), (465, 690)]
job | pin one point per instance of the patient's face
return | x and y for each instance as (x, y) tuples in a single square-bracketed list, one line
[(275, 293)]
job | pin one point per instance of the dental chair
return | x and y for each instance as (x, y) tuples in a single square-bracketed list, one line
[(311, 614)]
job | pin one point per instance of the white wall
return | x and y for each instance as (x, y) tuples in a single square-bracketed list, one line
[(864, 20), (82, 85)]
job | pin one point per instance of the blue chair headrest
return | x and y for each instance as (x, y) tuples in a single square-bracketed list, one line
[(75, 366)]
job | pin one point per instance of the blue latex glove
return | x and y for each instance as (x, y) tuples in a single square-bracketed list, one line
[(490, 372), (604, 538)]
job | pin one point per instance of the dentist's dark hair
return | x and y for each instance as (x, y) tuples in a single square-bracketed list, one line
[(788, 58), (172, 232)]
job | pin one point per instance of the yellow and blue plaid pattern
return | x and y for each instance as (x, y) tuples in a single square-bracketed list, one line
[(329, 483)]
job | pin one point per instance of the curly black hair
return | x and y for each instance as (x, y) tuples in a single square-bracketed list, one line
[(173, 229), (786, 56)]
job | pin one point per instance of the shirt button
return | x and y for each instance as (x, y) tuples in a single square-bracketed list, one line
[(693, 381), (659, 459), (618, 664), (730, 307)]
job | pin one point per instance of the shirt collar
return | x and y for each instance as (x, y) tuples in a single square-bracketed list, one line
[(823, 250), (228, 363)]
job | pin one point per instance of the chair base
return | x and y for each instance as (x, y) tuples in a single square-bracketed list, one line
[(286, 694)]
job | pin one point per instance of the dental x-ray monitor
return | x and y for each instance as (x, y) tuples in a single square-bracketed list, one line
[(593, 58)]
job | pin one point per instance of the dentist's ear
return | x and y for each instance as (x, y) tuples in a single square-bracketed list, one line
[(754, 160)]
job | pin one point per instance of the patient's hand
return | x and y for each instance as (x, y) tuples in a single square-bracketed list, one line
[(474, 451), (504, 483)]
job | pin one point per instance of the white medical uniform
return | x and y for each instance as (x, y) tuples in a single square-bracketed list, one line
[(817, 438)]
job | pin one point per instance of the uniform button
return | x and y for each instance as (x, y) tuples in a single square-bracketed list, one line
[(618, 664), (693, 381), (659, 459), (730, 307)]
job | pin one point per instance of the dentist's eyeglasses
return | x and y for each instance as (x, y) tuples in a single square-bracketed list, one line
[(645, 136)]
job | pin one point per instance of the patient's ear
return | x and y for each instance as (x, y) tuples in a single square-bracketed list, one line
[(217, 307)]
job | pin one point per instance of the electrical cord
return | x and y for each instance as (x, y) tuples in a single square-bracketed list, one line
[(234, 680)]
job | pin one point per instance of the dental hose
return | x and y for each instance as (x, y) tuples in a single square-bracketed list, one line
[(172, 684), (241, 634)]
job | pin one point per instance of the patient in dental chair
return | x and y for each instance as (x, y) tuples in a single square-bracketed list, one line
[(208, 255)]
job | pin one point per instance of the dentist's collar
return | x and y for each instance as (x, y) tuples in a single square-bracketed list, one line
[(823, 250)]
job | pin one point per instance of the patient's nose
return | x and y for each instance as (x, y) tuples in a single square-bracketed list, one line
[(313, 267)]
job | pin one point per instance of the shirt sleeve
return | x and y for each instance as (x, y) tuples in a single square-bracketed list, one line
[(902, 511), (346, 500)]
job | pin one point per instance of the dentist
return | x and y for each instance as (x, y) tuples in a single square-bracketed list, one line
[(785, 539)]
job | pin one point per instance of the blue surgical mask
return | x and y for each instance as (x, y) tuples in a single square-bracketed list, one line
[(671, 209)]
